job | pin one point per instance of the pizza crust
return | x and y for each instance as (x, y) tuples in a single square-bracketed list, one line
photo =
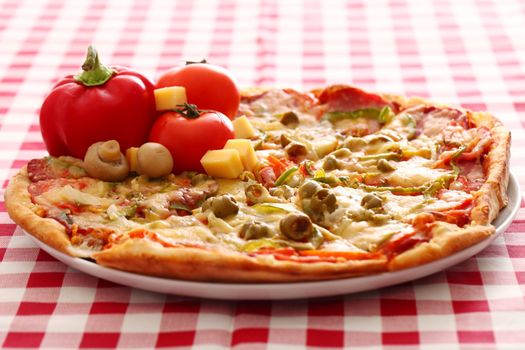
[(22, 210), (446, 240), (150, 258)]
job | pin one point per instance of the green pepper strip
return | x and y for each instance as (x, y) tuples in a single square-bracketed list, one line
[(286, 176), (360, 113), (266, 208), (395, 190), (385, 115), (387, 156)]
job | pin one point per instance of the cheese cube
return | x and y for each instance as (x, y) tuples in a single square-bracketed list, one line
[(246, 151), (131, 157), (243, 128), (225, 163), (169, 97)]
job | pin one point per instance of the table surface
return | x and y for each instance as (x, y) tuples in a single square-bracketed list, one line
[(468, 53)]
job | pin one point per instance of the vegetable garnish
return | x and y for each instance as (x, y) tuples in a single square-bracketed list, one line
[(188, 133), (207, 86), (100, 103), (285, 176)]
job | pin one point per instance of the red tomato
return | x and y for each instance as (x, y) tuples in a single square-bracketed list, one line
[(189, 137), (208, 86)]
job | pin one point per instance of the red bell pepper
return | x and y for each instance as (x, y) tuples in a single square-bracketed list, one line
[(98, 104)]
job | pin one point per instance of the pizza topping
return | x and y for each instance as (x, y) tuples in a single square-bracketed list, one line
[(225, 163), (104, 161), (246, 152), (296, 151), (254, 230), (296, 226), (222, 206), (385, 166), (364, 182), (290, 119), (347, 98), (370, 201)]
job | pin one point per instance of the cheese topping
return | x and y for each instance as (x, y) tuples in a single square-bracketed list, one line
[(351, 184)]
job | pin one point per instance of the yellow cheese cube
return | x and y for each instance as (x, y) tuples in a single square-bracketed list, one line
[(169, 97), (246, 151), (225, 163), (243, 128), (131, 156)]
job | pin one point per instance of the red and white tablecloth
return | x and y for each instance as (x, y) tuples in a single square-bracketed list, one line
[(469, 53)]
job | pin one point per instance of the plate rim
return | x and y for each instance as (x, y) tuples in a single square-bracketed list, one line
[(283, 291)]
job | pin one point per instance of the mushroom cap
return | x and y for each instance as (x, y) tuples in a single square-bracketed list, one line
[(154, 160), (97, 168)]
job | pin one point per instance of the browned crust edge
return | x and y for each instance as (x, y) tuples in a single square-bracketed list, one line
[(22, 210), (446, 240), (146, 257)]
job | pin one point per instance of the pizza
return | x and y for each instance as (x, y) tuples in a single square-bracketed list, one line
[(341, 183)]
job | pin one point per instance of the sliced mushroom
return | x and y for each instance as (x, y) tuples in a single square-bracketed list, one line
[(104, 161)]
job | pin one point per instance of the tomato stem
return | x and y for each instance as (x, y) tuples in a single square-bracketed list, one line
[(188, 110), (94, 73)]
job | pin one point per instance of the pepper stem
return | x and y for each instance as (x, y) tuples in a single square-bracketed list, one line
[(94, 73)]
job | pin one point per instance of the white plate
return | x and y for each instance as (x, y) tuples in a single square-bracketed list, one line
[(238, 291)]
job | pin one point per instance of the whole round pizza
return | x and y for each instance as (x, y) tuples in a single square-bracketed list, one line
[(324, 184)]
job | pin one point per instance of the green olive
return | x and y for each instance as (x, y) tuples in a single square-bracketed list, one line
[(354, 144), (308, 189), (290, 119), (384, 166), (256, 193), (197, 179), (285, 140), (296, 226), (254, 230), (324, 200), (283, 192), (330, 163), (296, 150), (224, 206), (370, 201)]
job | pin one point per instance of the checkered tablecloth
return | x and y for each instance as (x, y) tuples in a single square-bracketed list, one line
[(469, 53)]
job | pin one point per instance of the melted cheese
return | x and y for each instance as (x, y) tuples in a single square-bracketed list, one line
[(414, 172)]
